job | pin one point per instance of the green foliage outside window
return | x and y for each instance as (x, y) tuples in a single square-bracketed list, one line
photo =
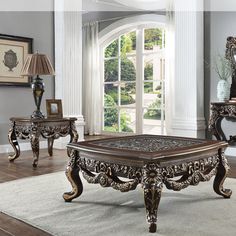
[(152, 37), (111, 70), (111, 117), (152, 111), (112, 49), (148, 75), (128, 73), (148, 71), (125, 122), (125, 44)]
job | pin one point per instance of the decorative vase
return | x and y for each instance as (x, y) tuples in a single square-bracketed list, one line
[(223, 90)]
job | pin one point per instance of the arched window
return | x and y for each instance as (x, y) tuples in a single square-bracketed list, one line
[(133, 80)]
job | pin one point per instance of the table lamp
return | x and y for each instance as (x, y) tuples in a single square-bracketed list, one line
[(35, 65)]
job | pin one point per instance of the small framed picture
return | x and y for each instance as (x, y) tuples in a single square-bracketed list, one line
[(54, 108)]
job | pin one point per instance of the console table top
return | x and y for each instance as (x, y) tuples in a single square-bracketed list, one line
[(223, 103), (28, 119)]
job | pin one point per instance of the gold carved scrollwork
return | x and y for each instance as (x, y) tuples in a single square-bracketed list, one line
[(109, 181), (194, 172)]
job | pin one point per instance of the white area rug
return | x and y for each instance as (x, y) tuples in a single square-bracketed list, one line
[(196, 211)]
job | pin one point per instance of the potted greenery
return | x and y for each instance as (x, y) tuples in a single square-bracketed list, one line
[(224, 70)]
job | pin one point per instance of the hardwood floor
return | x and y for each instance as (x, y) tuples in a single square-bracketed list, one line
[(22, 167)]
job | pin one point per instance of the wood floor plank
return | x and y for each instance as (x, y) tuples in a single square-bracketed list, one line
[(15, 227)]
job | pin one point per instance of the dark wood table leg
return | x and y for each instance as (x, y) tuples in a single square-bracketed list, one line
[(221, 174), (72, 174), (34, 141), (73, 133), (152, 187), (73, 136), (219, 134), (13, 141), (50, 146)]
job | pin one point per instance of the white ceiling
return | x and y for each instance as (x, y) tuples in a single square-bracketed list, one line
[(123, 5), (157, 5), (144, 4)]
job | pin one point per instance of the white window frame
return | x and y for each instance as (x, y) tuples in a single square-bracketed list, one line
[(111, 33)]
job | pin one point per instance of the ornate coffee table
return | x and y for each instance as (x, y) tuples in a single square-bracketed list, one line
[(49, 128), (149, 160)]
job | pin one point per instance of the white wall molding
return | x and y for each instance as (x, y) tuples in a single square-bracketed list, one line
[(123, 25), (189, 124), (188, 93), (230, 151), (68, 62), (189, 127), (58, 143)]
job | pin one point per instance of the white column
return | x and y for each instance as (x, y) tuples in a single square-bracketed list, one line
[(188, 101), (68, 61)]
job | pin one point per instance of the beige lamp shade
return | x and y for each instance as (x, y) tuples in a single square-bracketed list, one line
[(37, 64)]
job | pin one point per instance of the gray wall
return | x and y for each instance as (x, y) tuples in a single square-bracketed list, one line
[(18, 101), (218, 26)]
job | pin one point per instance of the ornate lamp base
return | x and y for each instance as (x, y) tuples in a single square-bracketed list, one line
[(38, 90), (37, 115)]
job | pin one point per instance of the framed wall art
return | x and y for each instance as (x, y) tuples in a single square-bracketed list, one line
[(13, 52), (54, 108)]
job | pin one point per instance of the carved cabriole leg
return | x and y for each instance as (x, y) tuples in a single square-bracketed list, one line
[(221, 174), (73, 136), (50, 146), (219, 134), (73, 133), (72, 174), (152, 187), (34, 141), (215, 123), (13, 141)]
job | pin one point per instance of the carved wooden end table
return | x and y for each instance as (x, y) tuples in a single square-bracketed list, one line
[(149, 160), (49, 128), (220, 110)]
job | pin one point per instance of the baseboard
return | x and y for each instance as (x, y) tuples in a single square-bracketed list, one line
[(24, 146), (61, 142), (189, 124), (188, 128), (230, 151)]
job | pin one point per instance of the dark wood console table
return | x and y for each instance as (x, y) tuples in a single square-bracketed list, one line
[(49, 128), (149, 160), (220, 110)]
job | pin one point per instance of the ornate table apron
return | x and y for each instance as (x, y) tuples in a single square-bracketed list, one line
[(152, 170), (32, 129), (219, 111)]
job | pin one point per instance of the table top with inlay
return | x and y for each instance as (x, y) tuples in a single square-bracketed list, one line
[(148, 147)]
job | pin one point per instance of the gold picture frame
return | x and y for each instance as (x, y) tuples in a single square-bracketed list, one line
[(13, 52), (54, 108)]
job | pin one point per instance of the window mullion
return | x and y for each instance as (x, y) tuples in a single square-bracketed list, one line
[(139, 80), (119, 74), (163, 86)]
